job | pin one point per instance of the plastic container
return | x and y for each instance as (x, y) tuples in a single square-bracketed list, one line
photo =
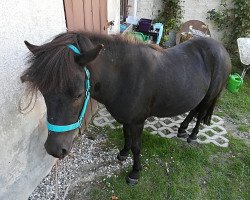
[(132, 20), (234, 83), (159, 27), (122, 27), (144, 25), (140, 36)]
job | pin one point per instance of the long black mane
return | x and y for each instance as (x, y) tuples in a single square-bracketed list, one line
[(52, 64)]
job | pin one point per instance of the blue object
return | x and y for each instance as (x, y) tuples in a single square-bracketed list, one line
[(160, 27), (122, 27), (74, 48), (78, 124)]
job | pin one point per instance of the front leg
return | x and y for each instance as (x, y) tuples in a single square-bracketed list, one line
[(123, 154), (136, 133)]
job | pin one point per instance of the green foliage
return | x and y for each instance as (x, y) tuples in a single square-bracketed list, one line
[(233, 19), (171, 14), (173, 169)]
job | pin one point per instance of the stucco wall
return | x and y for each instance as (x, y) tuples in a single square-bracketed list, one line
[(114, 15), (23, 160), (145, 8), (192, 9), (197, 9)]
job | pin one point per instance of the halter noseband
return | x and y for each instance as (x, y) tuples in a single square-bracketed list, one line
[(78, 124)]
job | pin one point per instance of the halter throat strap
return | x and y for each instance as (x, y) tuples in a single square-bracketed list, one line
[(64, 128)]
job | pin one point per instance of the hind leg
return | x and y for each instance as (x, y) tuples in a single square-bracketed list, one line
[(123, 154), (182, 130), (195, 131)]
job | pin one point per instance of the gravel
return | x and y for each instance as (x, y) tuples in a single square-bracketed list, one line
[(89, 162)]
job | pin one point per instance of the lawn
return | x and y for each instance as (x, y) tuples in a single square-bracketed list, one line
[(236, 106), (173, 169)]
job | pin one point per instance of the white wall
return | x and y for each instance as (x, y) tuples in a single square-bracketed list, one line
[(23, 159), (192, 10), (114, 15), (145, 8), (197, 10)]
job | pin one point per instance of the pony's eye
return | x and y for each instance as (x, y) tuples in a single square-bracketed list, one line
[(78, 96)]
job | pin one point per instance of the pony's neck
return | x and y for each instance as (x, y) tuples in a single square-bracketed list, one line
[(118, 57), (114, 46), (105, 69)]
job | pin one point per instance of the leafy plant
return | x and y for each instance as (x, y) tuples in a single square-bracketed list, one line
[(233, 19), (171, 14), (170, 17)]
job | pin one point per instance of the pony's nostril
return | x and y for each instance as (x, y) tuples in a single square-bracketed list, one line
[(64, 152)]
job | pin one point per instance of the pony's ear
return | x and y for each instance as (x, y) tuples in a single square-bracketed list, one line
[(89, 56), (24, 78), (31, 47)]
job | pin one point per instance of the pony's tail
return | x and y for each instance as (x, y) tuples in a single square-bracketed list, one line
[(207, 119)]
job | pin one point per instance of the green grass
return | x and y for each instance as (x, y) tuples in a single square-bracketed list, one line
[(192, 171), (236, 106), (243, 127)]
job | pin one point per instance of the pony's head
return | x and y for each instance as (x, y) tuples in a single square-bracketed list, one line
[(58, 72)]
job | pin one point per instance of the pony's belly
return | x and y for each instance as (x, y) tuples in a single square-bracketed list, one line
[(175, 107), (169, 112)]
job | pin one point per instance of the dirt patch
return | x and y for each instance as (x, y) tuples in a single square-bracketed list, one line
[(231, 126)]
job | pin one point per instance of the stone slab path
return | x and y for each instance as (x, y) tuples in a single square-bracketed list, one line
[(167, 127)]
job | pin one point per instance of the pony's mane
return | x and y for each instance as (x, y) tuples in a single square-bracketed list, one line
[(52, 64), (117, 40)]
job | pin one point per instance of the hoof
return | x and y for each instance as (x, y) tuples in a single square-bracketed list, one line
[(131, 181), (190, 139), (182, 135), (121, 158)]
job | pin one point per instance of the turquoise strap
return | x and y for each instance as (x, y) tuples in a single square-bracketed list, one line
[(74, 48), (78, 124), (59, 129)]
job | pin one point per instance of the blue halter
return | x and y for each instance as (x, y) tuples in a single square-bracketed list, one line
[(78, 124)]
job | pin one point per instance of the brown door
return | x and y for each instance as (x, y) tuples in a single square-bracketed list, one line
[(91, 16), (124, 9), (86, 15)]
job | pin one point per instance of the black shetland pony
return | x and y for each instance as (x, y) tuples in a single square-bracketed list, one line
[(133, 80)]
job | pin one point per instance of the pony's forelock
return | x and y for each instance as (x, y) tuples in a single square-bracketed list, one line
[(52, 65)]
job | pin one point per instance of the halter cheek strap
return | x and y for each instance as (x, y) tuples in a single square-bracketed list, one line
[(58, 128), (74, 49)]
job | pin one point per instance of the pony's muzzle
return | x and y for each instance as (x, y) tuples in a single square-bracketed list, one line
[(56, 146), (56, 151)]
